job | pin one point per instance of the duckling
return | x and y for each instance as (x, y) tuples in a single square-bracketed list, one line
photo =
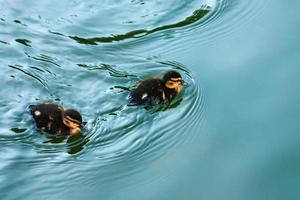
[(56, 120), (156, 91)]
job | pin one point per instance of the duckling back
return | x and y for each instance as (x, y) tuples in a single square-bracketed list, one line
[(150, 92), (48, 117)]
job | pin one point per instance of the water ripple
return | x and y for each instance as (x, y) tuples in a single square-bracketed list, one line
[(228, 16), (50, 66), (118, 132)]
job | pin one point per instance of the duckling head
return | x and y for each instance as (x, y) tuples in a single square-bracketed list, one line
[(73, 120), (173, 80)]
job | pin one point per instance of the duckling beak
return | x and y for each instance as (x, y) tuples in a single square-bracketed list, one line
[(184, 83)]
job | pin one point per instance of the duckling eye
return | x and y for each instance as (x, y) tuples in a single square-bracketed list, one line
[(171, 83)]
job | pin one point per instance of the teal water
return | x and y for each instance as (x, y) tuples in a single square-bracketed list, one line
[(231, 134)]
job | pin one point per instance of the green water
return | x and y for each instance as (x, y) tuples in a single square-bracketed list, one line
[(231, 134)]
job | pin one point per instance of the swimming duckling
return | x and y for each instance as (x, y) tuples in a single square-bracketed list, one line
[(156, 91), (56, 120)]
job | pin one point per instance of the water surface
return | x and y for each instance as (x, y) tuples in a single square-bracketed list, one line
[(231, 134)]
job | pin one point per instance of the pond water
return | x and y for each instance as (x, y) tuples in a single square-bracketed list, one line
[(231, 134)]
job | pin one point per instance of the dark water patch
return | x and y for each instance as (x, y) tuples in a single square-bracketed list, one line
[(55, 144), (21, 69), (24, 42), (3, 42), (56, 33), (77, 143), (196, 16), (37, 68), (18, 130), (120, 88), (44, 58), (106, 67), (19, 22), (41, 69)]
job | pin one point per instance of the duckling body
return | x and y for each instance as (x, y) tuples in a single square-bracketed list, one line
[(54, 119), (156, 91), (151, 92)]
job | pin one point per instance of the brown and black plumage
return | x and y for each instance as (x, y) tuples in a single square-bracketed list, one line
[(54, 119), (156, 91)]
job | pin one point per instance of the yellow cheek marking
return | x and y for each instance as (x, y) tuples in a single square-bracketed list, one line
[(71, 124), (66, 122), (73, 120)]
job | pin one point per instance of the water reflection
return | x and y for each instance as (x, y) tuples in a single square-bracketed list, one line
[(24, 42), (74, 144), (196, 16)]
